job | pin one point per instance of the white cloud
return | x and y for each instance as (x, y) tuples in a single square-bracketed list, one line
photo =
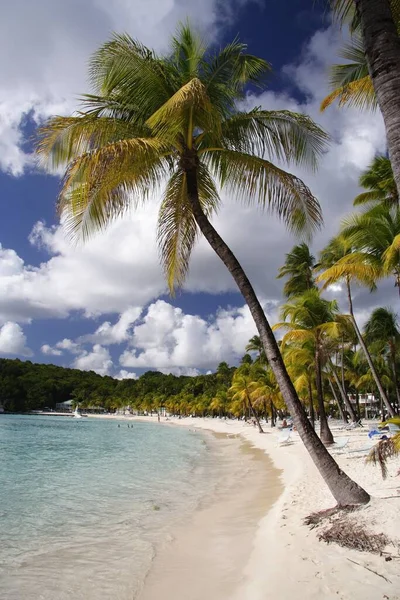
[(50, 351), (48, 69), (13, 340), (98, 360), (108, 334), (171, 341), (123, 374)]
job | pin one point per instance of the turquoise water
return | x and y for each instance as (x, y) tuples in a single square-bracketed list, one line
[(84, 503)]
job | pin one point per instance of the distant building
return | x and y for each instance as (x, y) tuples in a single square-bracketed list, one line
[(368, 401), (64, 406)]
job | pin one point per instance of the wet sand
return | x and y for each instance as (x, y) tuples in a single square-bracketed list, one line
[(207, 556)]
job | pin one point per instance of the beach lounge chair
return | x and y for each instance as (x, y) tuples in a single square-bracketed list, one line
[(364, 449), (284, 438), (393, 428), (340, 443)]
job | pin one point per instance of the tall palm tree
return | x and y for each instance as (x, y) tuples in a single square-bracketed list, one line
[(241, 391), (382, 327), (378, 180), (312, 319), (299, 264), (378, 21), (300, 361), (255, 345), (376, 234), (342, 263), (176, 117)]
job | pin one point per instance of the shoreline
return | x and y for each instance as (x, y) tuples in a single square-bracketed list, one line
[(287, 559)]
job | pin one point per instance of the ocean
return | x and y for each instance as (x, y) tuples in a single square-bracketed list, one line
[(85, 503)]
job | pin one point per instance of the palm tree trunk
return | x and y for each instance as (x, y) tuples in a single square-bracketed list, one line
[(324, 431), (367, 354), (344, 489), (273, 419), (255, 415), (382, 48), (392, 348), (311, 402), (343, 394), (340, 407)]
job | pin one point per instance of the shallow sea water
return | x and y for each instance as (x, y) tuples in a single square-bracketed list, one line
[(84, 503)]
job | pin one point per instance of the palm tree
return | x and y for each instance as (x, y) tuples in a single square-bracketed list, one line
[(378, 180), (350, 82), (175, 117), (298, 266), (312, 320), (342, 263), (300, 362), (377, 21), (264, 389), (382, 327), (255, 345), (376, 234), (241, 391)]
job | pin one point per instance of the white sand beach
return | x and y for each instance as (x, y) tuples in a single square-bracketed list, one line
[(285, 559)]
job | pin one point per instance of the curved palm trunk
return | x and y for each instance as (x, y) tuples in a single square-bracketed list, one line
[(311, 403), (343, 415), (382, 48), (345, 399), (367, 355), (324, 432), (392, 348), (255, 415), (344, 489)]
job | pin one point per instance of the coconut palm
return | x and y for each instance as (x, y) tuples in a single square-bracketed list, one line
[(385, 449), (382, 328), (350, 82), (255, 345), (264, 390), (342, 263), (376, 234), (377, 21), (241, 390), (378, 180), (174, 120), (220, 402), (299, 265), (300, 361), (312, 319)]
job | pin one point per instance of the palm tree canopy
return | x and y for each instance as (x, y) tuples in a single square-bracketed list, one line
[(376, 233), (379, 182), (150, 118), (308, 318), (299, 264), (340, 261), (382, 325), (350, 81)]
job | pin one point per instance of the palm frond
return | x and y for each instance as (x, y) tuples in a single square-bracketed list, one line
[(98, 186), (62, 139), (177, 229), (171, 118), (284, 135), (384, 450), (357, 265), (188, 50), (254, 179)]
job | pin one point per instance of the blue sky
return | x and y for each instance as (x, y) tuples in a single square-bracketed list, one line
[(104, 306)]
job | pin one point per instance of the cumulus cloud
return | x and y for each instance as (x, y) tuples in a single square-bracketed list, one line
[(124, 374), (171, 341), (13, 340), (108, 334), (49, 69), (98, 360), (58, 349), (50, 351)]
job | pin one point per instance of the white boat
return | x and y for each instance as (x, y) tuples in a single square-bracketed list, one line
[(77, 414)]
